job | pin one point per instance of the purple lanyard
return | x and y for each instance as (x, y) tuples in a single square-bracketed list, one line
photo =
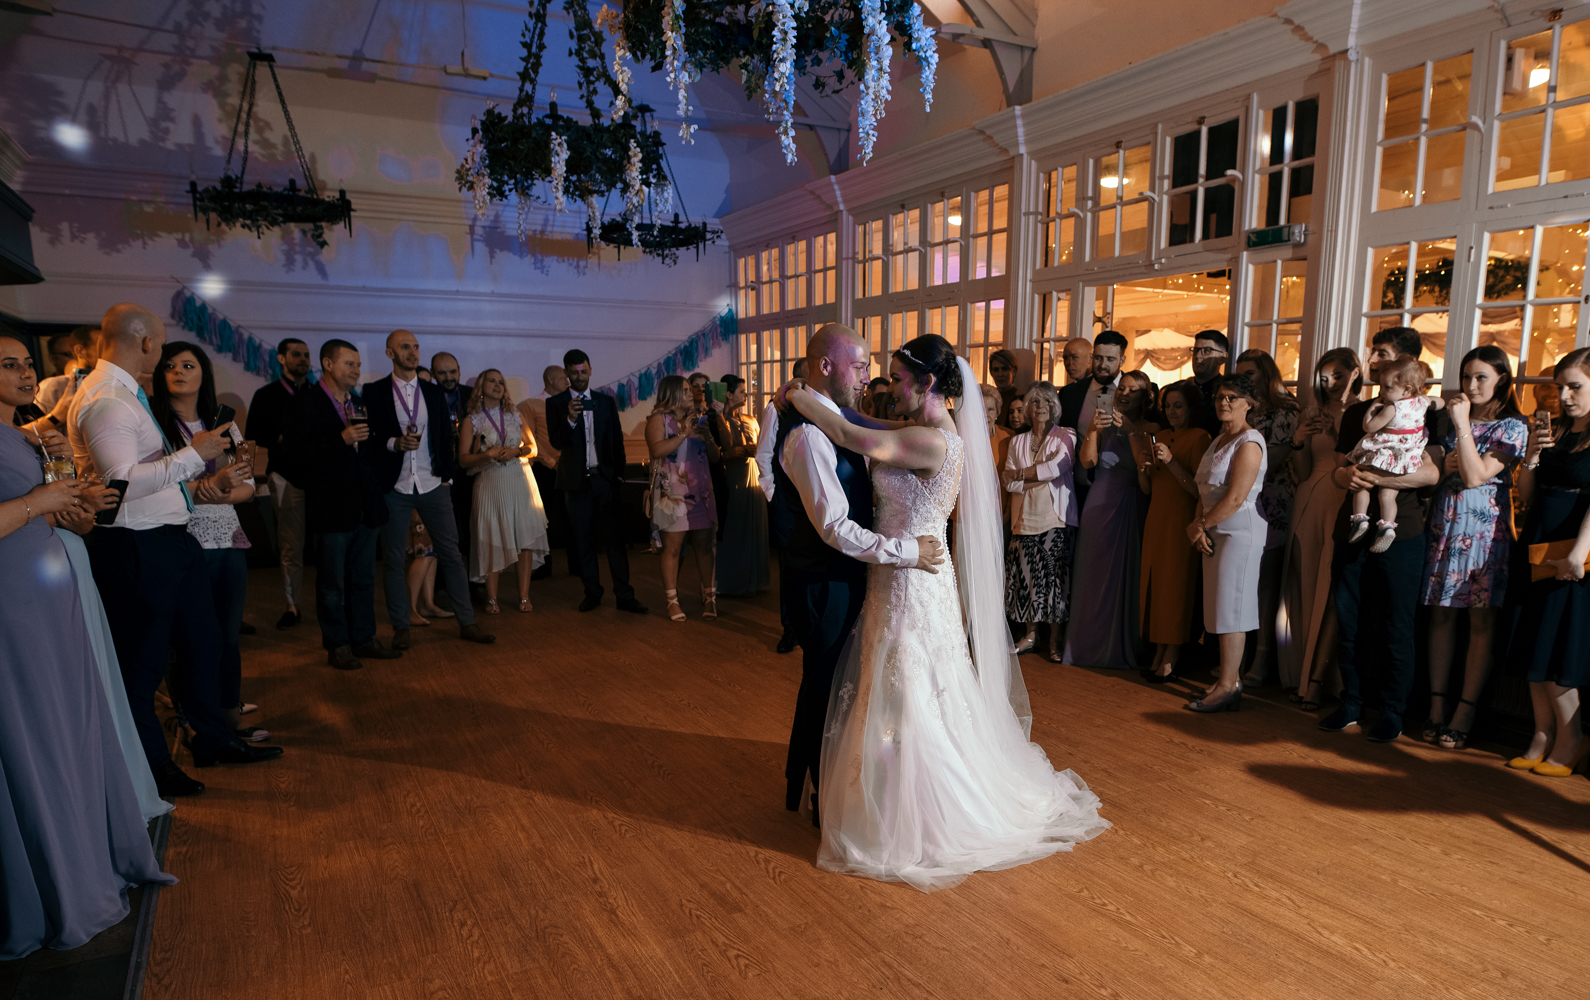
[(187, 435), (501, 426), (343, 409), (411, 412), (288, 386)]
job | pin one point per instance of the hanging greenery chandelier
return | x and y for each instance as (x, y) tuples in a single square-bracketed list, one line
[(260, 208)]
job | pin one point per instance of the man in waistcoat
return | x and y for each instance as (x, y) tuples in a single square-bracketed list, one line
[(826, 492)]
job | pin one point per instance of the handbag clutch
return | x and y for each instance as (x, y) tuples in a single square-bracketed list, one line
[(1540, 554)]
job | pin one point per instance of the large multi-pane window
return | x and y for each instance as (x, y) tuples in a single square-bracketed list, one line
[(825, 266), (796, 275), (1530, 296), (1543, 110), (1275, 312), (988, 246), (1119, 213), (1410, 284), (746, 296), (1060, 215), (1202, 203), (905, 250), (985, 333), (1050, 334), (765, 357), (1284, 181), (871, 259), (1423, 130), (944, 241)]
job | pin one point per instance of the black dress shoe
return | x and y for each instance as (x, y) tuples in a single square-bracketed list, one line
[(474, 633), (591, 603), (244, 628), (235, 752), (373, 650), (173, 783), (786, 643), (289, 619), (343, 659), (631, 605), (401, 639), (545, 572)]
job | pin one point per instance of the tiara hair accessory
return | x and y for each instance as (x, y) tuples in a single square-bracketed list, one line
[(910, 355)]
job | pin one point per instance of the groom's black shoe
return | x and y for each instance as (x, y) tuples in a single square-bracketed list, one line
[(814, 812), (591, 603), (786, 642)]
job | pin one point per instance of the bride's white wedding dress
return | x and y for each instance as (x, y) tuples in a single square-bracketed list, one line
[(927, 771)]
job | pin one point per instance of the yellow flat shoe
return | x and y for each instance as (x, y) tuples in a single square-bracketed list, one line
[(1525, 763), (1546, 770)]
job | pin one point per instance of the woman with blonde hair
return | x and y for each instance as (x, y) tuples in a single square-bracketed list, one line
[(508, 524), (1037, 472), (680, 437)]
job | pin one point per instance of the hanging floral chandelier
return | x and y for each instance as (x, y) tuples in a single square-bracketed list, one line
[(260, 208), (774, 41)]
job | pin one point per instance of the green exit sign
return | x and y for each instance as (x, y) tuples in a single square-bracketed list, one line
[(1275, 236)]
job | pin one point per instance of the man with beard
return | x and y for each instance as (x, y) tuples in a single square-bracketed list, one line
[(444, 369), (1210, 351), (269, 415)]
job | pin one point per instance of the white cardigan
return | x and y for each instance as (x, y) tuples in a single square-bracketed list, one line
[(1054, 464)]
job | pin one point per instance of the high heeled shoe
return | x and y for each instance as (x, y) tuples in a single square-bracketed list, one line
[(1432, 726), (709, 603), (675, 612), (1026, 644), (492, 608), (1454, 739), (1231, 703), (1546, 770), (524, 604)]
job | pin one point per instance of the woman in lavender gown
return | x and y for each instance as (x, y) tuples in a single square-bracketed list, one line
[(72, 838)]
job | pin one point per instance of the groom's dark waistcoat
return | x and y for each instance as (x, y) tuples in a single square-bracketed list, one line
[(804, 550)]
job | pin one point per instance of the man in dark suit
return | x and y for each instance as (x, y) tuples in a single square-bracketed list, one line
[(1080, 400), (412, 448), (583, 426), (267, 421), (342, 506)]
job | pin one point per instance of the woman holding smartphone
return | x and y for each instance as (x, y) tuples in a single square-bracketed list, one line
[(683, 444), (184, 404)]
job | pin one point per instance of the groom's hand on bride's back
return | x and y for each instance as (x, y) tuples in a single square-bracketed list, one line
[(929, 553)]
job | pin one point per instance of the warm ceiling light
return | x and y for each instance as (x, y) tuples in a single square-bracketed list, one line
[(1109, 182), (71, 135), (1538, 76), (955, 220)]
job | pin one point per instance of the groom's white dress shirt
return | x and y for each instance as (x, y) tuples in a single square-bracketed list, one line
[(764, 449), (811, 461)]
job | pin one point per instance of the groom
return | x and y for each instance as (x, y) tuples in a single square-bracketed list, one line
[(827, 494)]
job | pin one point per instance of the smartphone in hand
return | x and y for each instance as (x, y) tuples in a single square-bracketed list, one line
[(108, 515)]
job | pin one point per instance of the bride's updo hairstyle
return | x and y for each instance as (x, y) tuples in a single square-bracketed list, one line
[(932, 355)]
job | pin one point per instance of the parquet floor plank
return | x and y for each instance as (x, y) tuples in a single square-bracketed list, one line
[(592, 808)]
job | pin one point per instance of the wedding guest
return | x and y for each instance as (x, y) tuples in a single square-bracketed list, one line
[(1209, 353), (1109, 533), (1306, 585), (1548, 398), (268, 417), (1470, 534), (414, 456), (1016, 413), (343, 508), (1275, 417), (682, 444), (1077, 359), (706, 405), (1548, 615), (534, 413), (999, 437), (1079, 400), (584, 427), (77, 361), (879, 402), (1037, 472), (184, 405), (422, 576), (778, 521), (1002, 372), (1228, 531), (425, 373), (742, 555), (72, 834), (1167, 586), (151, 572), (1378, 592), (455, 397), (510, 527)]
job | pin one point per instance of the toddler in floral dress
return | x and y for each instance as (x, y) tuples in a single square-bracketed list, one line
[(1393, 444)]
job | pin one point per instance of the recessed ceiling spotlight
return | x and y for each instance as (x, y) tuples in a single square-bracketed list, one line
[(70, 135)]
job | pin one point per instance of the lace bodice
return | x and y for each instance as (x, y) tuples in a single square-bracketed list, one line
[(908, 505)]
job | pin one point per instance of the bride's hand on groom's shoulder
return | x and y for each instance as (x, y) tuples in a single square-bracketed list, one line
[(929, 553), (781, 401)]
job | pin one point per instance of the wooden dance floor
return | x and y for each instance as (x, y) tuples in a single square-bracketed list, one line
[(593, 807)]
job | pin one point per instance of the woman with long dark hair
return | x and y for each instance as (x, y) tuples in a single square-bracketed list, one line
[(1303, 655), (1169, 582), (184, 404), (1470, 532), (742, 554), (1274, 415)]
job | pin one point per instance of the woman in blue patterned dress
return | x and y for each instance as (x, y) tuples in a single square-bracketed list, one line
[(1470, 534)]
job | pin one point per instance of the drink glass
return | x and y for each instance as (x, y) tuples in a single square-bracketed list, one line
[(58, 469), (357, 414)]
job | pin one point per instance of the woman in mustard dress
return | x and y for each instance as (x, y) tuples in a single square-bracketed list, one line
[(1169, 567)]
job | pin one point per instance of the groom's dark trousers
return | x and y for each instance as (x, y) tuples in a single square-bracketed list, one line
[(825, 591)]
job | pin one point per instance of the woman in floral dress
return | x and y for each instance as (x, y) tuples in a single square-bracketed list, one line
[(1470, 534)]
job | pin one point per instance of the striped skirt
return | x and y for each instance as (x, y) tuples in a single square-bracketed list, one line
[(1038, 576)]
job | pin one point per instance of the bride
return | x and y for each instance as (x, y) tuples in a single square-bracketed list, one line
[(927, 770)]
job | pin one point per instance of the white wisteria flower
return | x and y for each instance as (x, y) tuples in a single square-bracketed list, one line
[(925, 43), (560, 165), (875, 79), (680, 73)]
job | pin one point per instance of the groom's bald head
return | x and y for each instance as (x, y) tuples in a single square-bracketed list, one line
[(836, 363)]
